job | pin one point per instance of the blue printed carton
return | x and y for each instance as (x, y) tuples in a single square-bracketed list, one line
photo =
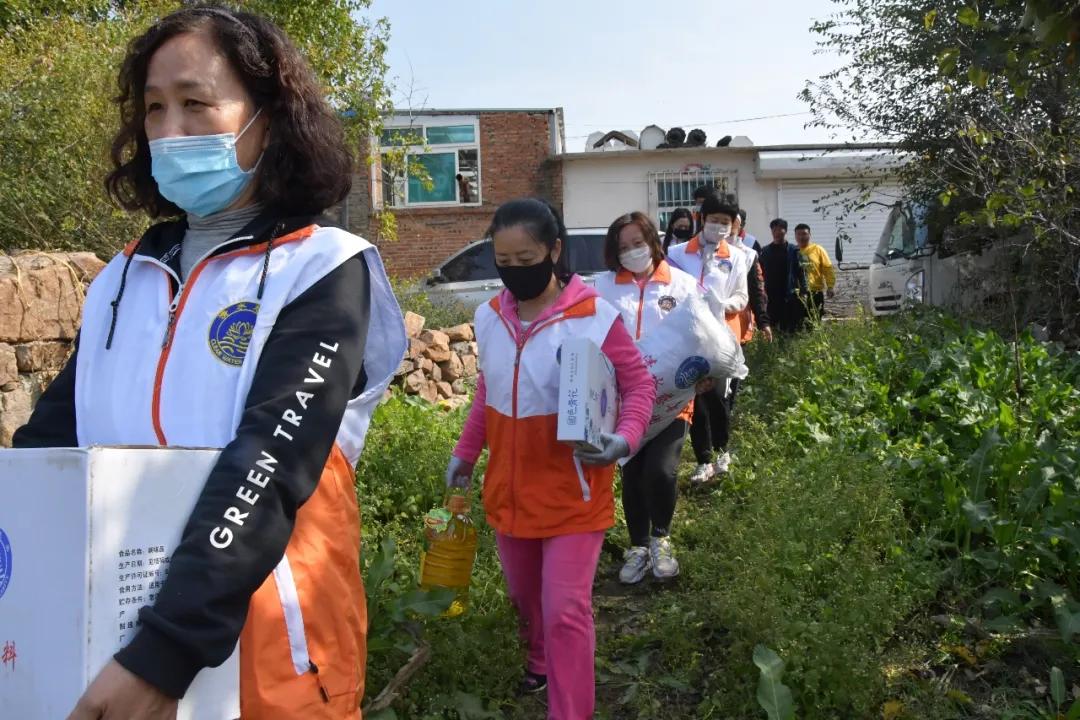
[(588, 402)]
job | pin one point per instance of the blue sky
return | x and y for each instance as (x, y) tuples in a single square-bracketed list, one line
[(693, 63)]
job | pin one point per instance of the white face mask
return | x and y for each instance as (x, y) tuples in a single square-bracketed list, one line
[(637, 260), (713, 233)]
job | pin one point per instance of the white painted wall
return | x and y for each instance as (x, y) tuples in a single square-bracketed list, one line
[(599, 188)]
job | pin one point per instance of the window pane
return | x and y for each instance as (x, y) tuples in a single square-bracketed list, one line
[(477, 263), (393, 185), (401, 136), (451, 134), (441, 167), (468, 183)]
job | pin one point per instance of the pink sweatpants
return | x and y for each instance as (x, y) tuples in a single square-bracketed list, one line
[(550, 583)]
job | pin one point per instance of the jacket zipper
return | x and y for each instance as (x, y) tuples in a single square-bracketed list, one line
[(641, 301), (175, 308), (318, 680), (520, 347)]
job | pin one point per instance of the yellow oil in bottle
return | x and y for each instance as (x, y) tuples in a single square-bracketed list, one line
[(449, 551)]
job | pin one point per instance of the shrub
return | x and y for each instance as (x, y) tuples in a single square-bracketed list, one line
[(439, 313)]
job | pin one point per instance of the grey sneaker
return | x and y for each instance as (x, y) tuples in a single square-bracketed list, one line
[(664, 564), (636, 565), (722, 464), (703, 473)]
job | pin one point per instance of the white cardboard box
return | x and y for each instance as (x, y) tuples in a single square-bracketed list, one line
[(587, 397), (85, 538)]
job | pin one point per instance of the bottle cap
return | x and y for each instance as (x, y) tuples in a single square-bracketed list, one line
[(458, 504)]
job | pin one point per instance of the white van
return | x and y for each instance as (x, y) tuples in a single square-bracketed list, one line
[(910, 267)]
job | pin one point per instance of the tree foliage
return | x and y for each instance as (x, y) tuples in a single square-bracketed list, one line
[(58, 63), (983, 100)]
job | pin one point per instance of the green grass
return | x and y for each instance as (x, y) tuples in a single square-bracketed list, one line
[(897, 527)]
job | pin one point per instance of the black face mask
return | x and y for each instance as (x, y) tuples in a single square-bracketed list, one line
[(526, 282), (682, 233)]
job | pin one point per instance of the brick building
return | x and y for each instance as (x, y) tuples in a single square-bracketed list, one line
[(477, 160)]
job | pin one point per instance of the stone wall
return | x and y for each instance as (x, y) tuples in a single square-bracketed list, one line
[(40, 309), (440, 365)]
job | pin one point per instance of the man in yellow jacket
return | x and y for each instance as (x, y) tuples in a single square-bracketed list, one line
[(820, 275)]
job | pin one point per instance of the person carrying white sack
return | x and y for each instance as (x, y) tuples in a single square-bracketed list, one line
[(644, 288), (722, 271)]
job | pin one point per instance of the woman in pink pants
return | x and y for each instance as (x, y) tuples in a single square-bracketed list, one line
[(549, 504)]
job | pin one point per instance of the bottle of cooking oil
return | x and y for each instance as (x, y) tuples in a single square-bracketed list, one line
[(449, 551)]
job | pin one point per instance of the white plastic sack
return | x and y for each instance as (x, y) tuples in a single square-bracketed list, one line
[(688, 345)]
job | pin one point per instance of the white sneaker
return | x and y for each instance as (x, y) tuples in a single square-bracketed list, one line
[(636, 565), (722, 464), (703, 473), (664, 564)]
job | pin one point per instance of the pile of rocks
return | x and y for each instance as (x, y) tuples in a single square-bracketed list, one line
[(439, 363), (40, 307)]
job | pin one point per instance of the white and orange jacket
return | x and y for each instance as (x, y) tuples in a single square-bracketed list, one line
[(644, 305), (276, 348), (723, 276), (533, 487)]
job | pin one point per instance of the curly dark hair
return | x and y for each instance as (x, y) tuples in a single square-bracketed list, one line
[(307, 165)]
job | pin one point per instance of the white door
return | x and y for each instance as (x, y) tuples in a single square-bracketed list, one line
[(802, 201)]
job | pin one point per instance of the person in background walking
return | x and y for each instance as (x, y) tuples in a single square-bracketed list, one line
[(712, 259), (548, 503), (785, 280), (700, 193), (820, 275), (644, 288), (746, 238), (680, 228)]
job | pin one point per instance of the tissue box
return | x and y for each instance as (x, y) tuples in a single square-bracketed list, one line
[(85, 540), (587, 397)]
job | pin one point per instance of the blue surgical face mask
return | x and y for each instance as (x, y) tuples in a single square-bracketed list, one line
[(200, 173)]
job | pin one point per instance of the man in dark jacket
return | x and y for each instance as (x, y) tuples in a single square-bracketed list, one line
[(785, 280)]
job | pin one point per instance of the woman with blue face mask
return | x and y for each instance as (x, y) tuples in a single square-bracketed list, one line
[(238, 321)]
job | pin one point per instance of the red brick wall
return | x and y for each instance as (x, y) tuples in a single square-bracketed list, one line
[(515, 161)]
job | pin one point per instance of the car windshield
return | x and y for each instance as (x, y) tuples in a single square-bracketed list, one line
[(898, 239)]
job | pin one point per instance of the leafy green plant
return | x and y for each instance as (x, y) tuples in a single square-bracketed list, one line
[(773, 695), (439, 313)]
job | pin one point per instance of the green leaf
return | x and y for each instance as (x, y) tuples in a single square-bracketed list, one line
[(929, 18), (470, 707), (773, 696), (1003, 624), (1074, 712), (968, 16), (1068, 622), (1057, 686), (978, 76), (429, 603), (382, 565), (947, 61), (978, 514)]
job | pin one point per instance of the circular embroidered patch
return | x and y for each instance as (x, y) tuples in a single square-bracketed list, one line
[(5, 563), (667, 303), (691, 370), (231, 332)]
